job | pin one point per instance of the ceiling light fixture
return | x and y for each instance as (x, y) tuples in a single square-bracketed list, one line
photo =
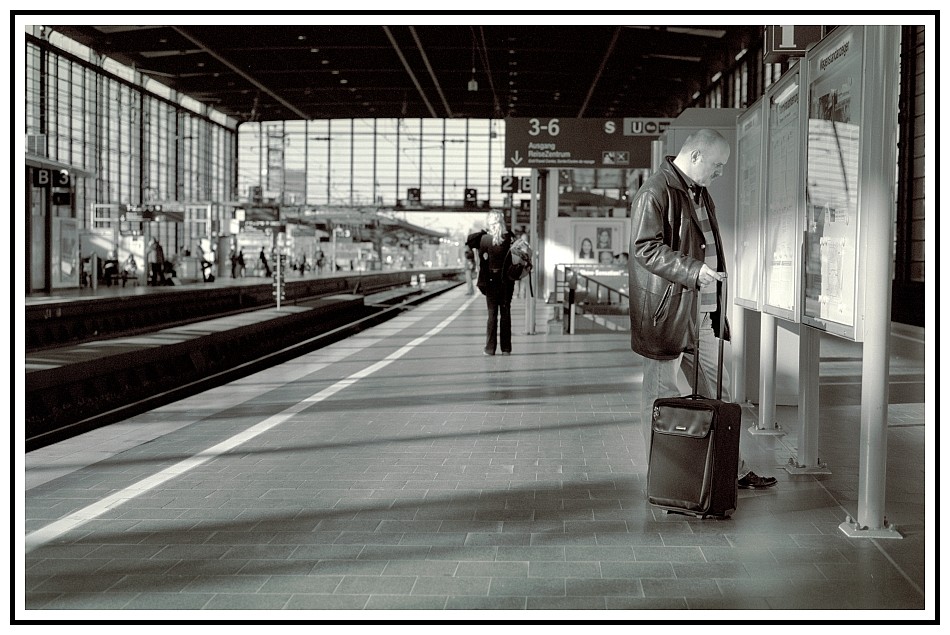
[(472, 84)]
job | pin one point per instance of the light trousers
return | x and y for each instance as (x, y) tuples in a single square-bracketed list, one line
[(660, 380)]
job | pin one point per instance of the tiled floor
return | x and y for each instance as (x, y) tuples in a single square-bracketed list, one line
[(402, 469)]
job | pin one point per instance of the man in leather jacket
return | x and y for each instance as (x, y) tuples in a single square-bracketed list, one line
[(675, 250)]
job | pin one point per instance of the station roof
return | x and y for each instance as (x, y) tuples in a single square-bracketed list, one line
[(299, 69), (325, 220)]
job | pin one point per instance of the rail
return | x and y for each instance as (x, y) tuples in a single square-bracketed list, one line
[(595, 290)]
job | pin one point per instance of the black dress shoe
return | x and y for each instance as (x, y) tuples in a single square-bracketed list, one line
[(754, 481)]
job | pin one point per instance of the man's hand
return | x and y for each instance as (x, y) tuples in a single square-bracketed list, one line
[(707, 276)]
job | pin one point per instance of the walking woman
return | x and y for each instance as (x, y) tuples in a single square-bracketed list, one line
[(492, 245)]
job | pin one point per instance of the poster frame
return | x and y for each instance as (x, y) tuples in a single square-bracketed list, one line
[(825, 63), (747, 264), (797, 76)]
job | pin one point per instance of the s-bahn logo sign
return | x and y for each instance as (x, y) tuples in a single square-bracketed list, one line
[(535, 142)]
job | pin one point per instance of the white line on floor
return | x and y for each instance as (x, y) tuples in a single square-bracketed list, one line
[(58, 528)]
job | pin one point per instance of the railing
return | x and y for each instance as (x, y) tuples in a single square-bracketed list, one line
[(591, 289)]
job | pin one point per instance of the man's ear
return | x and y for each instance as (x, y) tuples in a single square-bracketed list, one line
[(694, 156)]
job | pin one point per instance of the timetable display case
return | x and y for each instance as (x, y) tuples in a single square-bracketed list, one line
[(839, 153), (750, 160), (784, 197)]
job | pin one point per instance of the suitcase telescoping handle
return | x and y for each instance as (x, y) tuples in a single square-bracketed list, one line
[(721, 298)]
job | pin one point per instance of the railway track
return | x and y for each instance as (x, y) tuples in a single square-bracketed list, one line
[(71, 399)]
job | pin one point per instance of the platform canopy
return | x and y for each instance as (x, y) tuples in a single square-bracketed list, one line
[(368, 224)]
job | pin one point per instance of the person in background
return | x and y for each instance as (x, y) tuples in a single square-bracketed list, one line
[(241, 265), (265, 263), (130, 269), (469, 265), (605, 257), (156, 262), (233, 257), (110, 269), (663, 280), (202, 261), (492, 245)]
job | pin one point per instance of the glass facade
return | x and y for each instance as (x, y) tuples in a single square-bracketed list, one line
[(373, 162), (127, 144), (126, 141)]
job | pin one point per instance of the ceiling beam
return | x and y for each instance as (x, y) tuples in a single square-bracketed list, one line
[(412, 75), (600, 71), (286, 104), (435, 79)]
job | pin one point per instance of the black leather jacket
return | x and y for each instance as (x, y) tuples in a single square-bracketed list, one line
[(666, 254)]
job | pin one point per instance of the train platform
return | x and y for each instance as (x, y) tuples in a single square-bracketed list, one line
[(402, 474), (101, 291)]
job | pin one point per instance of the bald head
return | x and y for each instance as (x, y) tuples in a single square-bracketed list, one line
[(703, 156)]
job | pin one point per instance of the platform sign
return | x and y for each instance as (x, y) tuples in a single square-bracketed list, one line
[(789, 40), (51, 178), (536, 142), (515, 184)]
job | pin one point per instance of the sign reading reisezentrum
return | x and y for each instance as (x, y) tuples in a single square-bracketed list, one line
[(581, 143)]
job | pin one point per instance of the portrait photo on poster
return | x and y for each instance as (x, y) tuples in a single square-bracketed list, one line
[(592, 239), (585, 250)]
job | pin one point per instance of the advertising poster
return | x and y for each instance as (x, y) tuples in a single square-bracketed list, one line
[(597, 243), (65, 252), (832, 162)]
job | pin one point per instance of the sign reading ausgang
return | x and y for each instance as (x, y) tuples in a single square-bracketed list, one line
[(536, 142)]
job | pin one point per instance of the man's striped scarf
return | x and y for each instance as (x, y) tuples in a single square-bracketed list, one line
[(707, 297)]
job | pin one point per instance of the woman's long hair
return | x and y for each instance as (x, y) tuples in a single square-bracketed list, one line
[(496, 226)]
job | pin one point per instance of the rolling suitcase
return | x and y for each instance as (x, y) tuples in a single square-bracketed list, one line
[(694, 456)]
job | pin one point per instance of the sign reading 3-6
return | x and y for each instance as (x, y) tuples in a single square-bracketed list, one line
[(581, 143), (551, 127)]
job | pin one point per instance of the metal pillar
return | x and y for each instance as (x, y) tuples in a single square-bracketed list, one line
[(882, 54), (530, 314), (737, 330), (767, 425), (809, 356)]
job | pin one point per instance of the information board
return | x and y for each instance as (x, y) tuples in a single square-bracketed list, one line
[(784, 196), (750, 156), (832, 164), (540, 142)]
